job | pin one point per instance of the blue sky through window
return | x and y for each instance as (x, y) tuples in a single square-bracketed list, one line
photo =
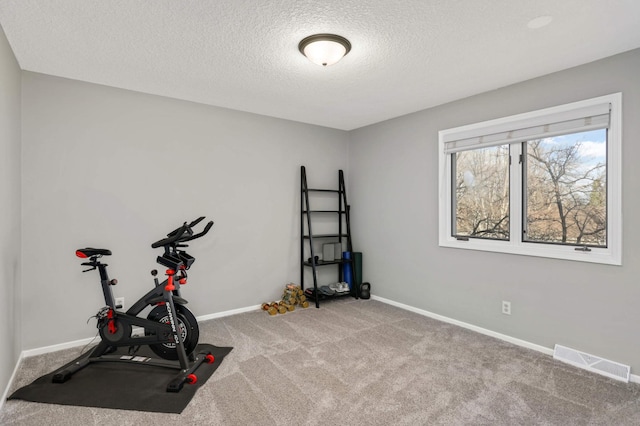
[(593, 146)]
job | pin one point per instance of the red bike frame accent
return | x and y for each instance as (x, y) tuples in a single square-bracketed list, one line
[(170, 286), (112, 323)]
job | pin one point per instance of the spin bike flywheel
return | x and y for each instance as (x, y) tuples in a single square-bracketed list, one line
[(187, 327)]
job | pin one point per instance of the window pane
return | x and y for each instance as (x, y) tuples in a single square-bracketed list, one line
[(481, 193), (566, 189)]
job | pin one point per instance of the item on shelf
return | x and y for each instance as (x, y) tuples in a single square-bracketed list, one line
[(337, 253), (348, 277), (328, 252), (326, 290), (341, 287)]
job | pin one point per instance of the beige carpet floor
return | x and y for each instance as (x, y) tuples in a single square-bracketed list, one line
[(361, 362)]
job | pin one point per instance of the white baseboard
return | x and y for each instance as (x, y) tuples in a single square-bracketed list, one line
[(228, 313), (58, 347), (519, 342)]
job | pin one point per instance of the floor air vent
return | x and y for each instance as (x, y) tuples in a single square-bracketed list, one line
[(593, 363)]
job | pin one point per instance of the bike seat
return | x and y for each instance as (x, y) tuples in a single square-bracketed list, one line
[(88, 252)]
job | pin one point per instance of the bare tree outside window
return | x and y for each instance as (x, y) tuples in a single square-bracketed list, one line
[(566, 196), (482, 193)]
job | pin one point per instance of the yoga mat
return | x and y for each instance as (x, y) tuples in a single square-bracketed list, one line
[(122, 386), (357, 272), (346, 270)]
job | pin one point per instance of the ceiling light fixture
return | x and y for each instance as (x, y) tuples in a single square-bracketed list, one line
[(324, 49)]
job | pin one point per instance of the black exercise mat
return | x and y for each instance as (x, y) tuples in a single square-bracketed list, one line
[(122, 386)]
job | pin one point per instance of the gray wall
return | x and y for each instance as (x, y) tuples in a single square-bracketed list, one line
[(111, 168), (10, 330), (393, 172)]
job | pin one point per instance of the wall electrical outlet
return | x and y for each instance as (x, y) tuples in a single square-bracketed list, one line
[(506, 307), (120, 303)]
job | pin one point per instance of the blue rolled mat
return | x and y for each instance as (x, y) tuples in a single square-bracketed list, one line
[(347, 275)]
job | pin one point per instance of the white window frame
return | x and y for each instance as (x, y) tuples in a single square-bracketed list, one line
[(611, 255)]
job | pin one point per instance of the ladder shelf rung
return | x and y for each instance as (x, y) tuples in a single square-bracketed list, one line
[(322, 190), (325, 211), (329, 262), (326, 236)]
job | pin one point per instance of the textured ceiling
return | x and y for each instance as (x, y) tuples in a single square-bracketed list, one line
[(243, 54)]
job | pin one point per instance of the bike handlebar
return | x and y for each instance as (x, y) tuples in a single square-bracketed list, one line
[(178, 235), (203, 233), (195, 222)]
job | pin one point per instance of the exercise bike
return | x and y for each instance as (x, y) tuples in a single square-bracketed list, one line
[(170, 329)]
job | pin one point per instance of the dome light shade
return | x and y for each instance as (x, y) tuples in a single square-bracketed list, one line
[(324, 49)]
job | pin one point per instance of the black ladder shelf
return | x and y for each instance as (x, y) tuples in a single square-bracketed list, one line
[(308, 238)]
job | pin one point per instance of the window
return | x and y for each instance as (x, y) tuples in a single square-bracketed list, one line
[(544, 183), (565, 189), (481, 192)]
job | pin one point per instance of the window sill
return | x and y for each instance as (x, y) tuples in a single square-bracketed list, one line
[(605, 256)]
